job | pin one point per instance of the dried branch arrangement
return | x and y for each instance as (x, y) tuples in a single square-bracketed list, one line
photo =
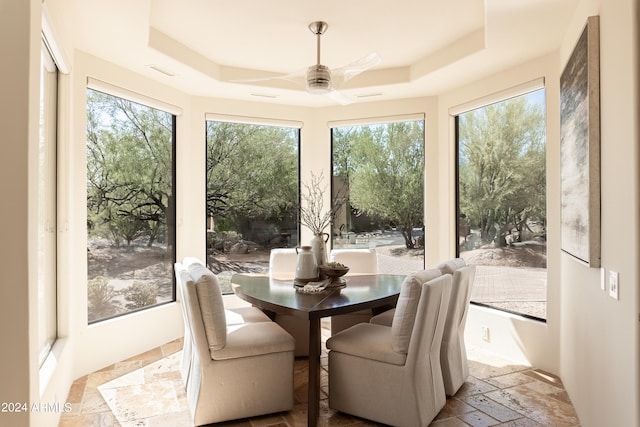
[(312, 210)]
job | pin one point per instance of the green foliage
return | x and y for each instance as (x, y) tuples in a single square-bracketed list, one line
[(252, 174), (384, 166), (502, 167), (129, 168), (140, 294)]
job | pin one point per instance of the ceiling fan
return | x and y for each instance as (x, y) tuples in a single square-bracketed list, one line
[(320, 79)]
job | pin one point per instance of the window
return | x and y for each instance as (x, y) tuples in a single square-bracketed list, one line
[(47, 206), (379, 170), (502, 202), (130, 206), (252, 181)]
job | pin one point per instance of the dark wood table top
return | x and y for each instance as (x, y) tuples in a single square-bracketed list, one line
[(281, 296)]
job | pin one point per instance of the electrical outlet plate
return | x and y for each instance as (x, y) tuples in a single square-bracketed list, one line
[(603, 280), (614, 284), (485, 333)]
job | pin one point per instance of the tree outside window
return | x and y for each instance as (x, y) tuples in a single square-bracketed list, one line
[(502, 202), (380, 169), (130, 206), (252, 195)]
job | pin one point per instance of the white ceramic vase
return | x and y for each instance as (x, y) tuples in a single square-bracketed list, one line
[(319, 247)]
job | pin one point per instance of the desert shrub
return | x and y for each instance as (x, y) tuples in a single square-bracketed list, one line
[(100, 294), (140, 294)]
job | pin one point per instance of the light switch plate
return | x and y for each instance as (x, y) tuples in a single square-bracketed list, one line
[(614, 284)]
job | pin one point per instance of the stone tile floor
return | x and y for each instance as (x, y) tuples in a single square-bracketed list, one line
[(146, 390)]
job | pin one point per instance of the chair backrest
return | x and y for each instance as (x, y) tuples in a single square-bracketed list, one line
[(405, 314), (204, 306), (423, 357), (283, 260), (453, 357), (359, 261), (451, 265), (460, 298)]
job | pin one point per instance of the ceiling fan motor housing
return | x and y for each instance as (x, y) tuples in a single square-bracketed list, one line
[(319, 79)]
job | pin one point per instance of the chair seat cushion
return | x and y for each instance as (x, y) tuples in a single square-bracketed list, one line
[(368, 341), (253, 339)]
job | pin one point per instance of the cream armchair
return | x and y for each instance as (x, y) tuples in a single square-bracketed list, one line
[(392, 374), (236, 362)]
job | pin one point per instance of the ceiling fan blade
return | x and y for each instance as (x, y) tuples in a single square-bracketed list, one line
[(297, 77), (340, 97), (351, 70)]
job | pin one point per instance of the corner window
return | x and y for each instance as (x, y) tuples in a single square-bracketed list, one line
[(130, 206), (502, 215)]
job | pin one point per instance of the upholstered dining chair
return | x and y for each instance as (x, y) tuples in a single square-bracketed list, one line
[(282, 264), (391, 374), (453, 355), (359, 261), (236, 362)]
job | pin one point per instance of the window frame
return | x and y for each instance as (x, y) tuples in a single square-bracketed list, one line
[(151, 103), (455, 112), (48, 314)]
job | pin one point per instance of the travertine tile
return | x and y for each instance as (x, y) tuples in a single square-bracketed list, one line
[(492, 408), (147, 390), (449, 422), (474, 386), (453, 408), (538, 407), (510, 380), (479, 419)]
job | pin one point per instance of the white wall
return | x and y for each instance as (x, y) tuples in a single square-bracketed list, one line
[(527, 341), (18, 21), (103, 343), (600, 336)]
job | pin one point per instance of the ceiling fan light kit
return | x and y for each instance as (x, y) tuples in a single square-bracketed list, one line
[(319, 79)]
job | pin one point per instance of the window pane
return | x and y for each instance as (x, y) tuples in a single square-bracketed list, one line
[(379, 169), (502, 203), (252, 195), (47, 195), (130, 206)]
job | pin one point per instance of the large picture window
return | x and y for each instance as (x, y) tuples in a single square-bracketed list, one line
[(502, 219), (252, 195), (130, 206), (379, 169)]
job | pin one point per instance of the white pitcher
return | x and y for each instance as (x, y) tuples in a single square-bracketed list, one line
[(306, 267)]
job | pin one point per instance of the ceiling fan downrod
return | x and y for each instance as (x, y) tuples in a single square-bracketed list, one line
[(318, 28), (318, 76)]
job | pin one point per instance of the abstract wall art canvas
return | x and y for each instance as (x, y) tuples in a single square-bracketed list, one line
[(580, 148)]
